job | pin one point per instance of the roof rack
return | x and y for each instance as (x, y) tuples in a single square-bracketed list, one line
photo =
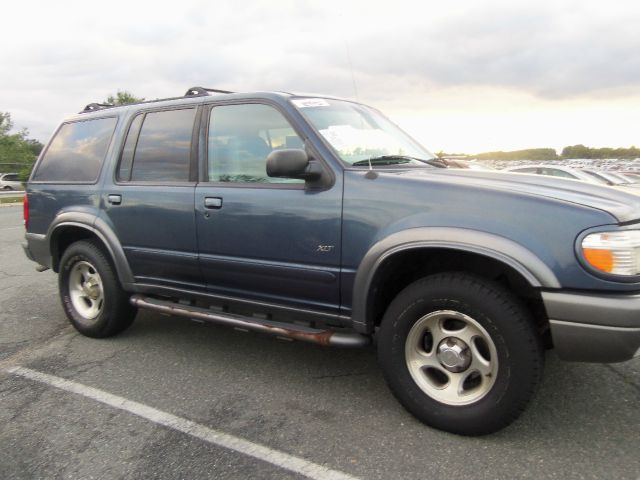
[(192, 92), (199, 91), (92, 107)]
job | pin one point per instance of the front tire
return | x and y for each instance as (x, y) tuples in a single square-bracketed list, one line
[(460, 353), (91, 295)]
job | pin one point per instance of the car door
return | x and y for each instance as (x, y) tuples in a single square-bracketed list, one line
[(263, 238), (149, 202)]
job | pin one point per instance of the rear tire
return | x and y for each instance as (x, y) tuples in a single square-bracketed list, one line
[(91, 295), (460, 353)]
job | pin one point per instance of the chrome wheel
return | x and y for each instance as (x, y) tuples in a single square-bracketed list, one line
[(86, 290), (451, 357)]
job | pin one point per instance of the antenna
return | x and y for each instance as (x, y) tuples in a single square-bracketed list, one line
[(353, 76), (371, 174)]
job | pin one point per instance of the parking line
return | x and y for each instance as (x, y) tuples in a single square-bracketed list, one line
[(216, 437)]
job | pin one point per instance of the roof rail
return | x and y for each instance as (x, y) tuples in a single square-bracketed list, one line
[(192, 92), (201, 91), (92, 107)]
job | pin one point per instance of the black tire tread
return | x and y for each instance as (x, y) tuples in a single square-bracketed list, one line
[(118, 314), (494, 294)]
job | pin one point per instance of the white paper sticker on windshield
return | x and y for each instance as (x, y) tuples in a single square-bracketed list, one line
[(310, 102)]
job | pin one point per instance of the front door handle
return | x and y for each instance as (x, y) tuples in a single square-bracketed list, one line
[(114, 199), (212, 202)]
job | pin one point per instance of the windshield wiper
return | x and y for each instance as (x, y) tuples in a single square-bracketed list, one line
[(398, 160), (386, 160)]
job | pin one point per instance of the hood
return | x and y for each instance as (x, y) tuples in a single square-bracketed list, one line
[(623, 204)]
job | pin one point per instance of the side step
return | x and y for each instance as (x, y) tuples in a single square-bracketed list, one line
[(279, 329)]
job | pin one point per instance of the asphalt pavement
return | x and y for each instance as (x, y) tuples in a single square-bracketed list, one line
[(171, 398)]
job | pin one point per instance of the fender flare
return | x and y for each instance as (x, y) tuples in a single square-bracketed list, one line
[(99, 228), (506, 251)]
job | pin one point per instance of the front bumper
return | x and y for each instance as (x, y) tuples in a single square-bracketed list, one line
[(594, 328)]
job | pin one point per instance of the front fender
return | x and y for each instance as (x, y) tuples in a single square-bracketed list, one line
[(506, 251)]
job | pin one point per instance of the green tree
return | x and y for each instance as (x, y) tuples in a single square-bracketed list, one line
[(16, 150), (576, 151), (528, 154), (123, 98), (5, 123), (580, 151)]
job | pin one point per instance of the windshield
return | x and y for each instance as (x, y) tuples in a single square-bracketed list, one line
[(360, 135)]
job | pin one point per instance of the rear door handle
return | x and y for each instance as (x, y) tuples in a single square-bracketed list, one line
[(212, 202), (114, 199)]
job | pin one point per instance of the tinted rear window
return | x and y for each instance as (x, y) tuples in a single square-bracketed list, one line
[(163, 150), (77, 151)]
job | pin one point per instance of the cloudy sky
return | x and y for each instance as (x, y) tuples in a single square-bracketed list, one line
[(462, 76)]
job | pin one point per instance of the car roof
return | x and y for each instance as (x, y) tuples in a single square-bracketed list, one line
[(194, 96)]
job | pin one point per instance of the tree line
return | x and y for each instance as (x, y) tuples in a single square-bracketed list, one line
[(18, 152), (570, 152)]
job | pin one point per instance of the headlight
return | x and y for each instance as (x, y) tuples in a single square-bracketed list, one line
[(617, 253)]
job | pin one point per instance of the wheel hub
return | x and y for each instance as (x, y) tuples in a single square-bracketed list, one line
[(454, 354), (92, 289), (85, 290)]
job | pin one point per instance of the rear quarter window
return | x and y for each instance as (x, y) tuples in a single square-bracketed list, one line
[(76, 152)]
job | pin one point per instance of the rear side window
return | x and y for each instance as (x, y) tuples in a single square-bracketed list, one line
[(76, 152), (158, 147), (124, 172)]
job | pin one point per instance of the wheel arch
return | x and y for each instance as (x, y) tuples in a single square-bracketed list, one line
[(435, 249), (69, 227)]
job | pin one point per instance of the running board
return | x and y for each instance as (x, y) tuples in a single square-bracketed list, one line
[(279, 329)]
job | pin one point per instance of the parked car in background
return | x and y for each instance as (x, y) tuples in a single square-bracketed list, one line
[(613, 178), (471, 165), (9, 181), (558, 171), (628, 179)]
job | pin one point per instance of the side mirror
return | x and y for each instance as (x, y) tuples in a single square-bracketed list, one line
[(291, 163)]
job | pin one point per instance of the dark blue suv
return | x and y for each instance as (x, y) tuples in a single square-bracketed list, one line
[(320, 220)]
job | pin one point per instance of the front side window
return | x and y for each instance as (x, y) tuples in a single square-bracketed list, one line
[(241, 137), (158, 147), (76, 152), (361, 135)]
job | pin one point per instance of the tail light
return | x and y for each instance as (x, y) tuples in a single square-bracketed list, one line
[(25, 211)]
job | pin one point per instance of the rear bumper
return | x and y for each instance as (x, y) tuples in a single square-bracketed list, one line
[(36, 248), (594, 328)]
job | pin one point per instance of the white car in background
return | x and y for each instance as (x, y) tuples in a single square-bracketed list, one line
[(9, 181), (558, 171), (596, 177)]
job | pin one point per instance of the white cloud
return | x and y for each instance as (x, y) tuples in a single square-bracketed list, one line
[(466, 76)]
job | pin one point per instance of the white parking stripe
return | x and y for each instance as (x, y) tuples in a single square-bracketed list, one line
[(280, 459)]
